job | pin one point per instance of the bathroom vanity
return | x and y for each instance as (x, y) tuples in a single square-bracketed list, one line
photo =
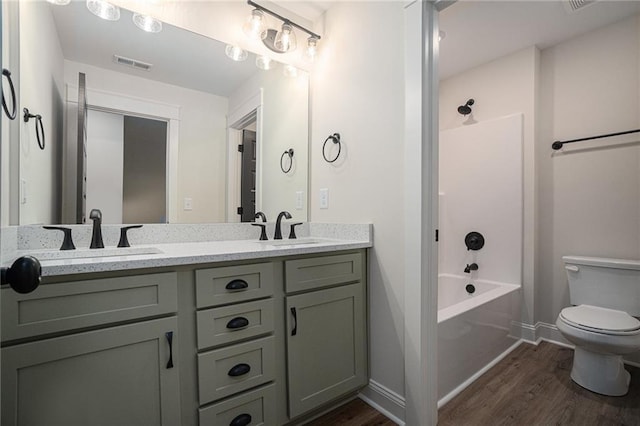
[(270, 335)]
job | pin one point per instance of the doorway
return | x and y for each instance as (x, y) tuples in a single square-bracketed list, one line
[(126, 167)]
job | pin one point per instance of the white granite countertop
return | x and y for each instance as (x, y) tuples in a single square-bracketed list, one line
[(175, 254)]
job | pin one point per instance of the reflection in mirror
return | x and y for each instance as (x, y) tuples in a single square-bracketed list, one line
[(180, 82)]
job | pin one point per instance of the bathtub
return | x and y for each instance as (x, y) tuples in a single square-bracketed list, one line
[(474, 330)]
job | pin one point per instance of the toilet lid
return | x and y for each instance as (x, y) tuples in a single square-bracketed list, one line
[(604, 319)]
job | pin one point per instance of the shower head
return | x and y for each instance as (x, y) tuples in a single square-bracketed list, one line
[(466, 108)]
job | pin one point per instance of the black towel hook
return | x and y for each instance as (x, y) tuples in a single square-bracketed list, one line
[(335, 138), (288, 152), (39, 126), (14, 109)]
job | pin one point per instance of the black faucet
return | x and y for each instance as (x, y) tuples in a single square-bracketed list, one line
[(472, 267), (96, 237), (278, 234)]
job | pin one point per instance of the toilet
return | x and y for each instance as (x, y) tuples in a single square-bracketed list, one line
[(602, 323)]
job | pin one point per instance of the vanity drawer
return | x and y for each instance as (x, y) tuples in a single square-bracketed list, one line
[(226, 371), (226, 324), (318, 272), (258, 404), (55, 308), (221, 286)]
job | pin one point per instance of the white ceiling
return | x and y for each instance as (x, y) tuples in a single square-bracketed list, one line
[(477, 32), (178, 56), (480, 31)]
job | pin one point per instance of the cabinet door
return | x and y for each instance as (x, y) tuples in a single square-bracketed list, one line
[(116, 376), (325, 346)]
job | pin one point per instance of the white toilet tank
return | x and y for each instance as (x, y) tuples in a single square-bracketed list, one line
[(608, 283)]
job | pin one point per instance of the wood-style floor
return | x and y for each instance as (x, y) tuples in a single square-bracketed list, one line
[(532, 386), (354, 413)]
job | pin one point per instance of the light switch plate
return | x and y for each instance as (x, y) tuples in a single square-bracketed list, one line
[(324, 198), (299, 200)]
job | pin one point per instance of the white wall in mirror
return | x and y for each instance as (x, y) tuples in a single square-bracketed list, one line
[(202, 154)]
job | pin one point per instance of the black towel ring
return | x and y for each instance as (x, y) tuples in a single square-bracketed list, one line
[(335, 138), (288, 152), (14, 109), (39, 126)]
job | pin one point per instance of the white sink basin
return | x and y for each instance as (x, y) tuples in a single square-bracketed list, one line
[(85, 253), (295, 242)]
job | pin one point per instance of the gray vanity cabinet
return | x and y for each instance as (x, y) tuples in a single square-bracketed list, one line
[(326, 330), (114, 376), (91, 353)]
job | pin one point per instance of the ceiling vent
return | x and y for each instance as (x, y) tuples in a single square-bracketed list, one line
[(132, 63), (573, 6)]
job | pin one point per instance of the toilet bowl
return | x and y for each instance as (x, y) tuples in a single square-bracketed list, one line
[(601, 336)]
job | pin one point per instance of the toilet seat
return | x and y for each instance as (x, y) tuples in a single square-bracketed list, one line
[(600, 320)]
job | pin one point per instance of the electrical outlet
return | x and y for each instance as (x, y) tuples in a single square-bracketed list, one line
[(188, 204), (299, 200), (324, 198), (23, 191)]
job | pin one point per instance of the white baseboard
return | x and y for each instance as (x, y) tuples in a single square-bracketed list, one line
[(384, 400), (550, 333)]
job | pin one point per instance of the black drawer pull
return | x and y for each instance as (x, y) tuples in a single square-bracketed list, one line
[(238, 322), (241, 420), (239, 370), (237, 285)]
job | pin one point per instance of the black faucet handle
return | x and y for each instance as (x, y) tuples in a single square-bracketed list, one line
[(292, 232), (124, 241), (263, 232), (67, 243), (261, 216)]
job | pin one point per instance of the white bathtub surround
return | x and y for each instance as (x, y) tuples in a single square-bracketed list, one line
[(173, 245), (474, 330), (481, 190)]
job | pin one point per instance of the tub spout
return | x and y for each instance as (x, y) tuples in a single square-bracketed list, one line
[(472, 267)]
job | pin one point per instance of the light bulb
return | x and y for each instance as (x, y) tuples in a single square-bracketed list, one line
[(59, 2), (254, 26), (147, 23), (312, 49), (290, 71), (104, 10), (285, 39), (265, 63), (235, 53)]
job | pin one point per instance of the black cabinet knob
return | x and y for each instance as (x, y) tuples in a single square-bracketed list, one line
[(24, 275)]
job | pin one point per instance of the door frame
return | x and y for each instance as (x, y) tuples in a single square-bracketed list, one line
[(247, 112), (119, 103), (421, 218)]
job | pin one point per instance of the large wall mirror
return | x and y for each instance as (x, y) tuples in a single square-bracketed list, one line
[(165, 115)]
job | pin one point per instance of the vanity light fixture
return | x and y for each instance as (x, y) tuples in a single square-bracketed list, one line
[(254, 26), (265, 63), (312, 49), (235, 53), (104, 9), (282, 41), (59, 2), (147, 23)]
